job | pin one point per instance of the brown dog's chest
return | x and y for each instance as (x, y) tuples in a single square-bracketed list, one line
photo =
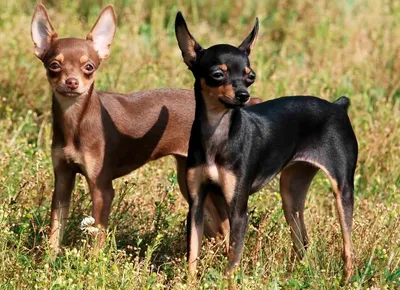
[(68, 154)]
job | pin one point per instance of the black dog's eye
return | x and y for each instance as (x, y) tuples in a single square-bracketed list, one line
[(218, 75), (55, 66), (251, 76), (88, 68)]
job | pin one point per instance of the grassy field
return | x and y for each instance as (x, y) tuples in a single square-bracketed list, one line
[(324, 48)]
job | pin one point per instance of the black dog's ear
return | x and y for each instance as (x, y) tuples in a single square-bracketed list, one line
[(188, 45), (248, 43)]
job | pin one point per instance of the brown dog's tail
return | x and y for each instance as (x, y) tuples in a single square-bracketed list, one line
[(344, 102)]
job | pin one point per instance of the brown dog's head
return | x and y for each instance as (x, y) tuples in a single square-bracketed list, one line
[(71, 63)]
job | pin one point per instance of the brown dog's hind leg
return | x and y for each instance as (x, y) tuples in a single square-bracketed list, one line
[(294, 183), (216, 204)]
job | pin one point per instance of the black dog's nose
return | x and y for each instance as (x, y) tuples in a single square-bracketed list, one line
[(242, 96)]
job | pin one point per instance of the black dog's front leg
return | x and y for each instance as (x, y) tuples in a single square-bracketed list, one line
[(238, 219), (195, 222)]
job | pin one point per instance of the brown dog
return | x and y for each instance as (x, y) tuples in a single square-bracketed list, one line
[(106, 135)]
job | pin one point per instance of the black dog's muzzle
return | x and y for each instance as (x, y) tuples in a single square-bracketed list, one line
[(242, 96)]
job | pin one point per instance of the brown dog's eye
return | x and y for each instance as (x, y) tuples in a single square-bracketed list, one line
[(54, 66), (89, 67)]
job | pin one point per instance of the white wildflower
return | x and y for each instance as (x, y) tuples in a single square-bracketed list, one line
[(87, 225)]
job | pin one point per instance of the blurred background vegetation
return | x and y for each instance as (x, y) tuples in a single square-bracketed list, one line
[(323, 48)]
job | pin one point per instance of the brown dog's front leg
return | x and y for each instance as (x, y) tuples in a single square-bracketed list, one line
[(102, 197), (64, 184)]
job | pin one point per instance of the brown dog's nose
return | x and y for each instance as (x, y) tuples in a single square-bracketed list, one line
[(72, 83)]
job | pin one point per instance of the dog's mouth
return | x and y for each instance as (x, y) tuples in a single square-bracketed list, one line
[(68, 93), (232, 102)]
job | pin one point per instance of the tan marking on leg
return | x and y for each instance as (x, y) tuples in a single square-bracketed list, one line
[(225, 227), (84, 58), (230, 271), (211, 217), (223, 67), (60, 58), (228, 184), (332, 181), (195, 245), (194, 177), (226, 179), (347, 244)]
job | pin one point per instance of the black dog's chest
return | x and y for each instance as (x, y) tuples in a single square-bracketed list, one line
[(244, 148)]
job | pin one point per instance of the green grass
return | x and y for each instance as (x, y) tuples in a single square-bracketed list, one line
[(323, 48)]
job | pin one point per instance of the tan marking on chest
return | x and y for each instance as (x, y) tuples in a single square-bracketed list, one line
[(221, 176)]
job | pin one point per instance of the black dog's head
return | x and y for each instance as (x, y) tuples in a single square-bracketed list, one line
[(223, 70)]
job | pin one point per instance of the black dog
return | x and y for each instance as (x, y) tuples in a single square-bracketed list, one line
[(235, 150)]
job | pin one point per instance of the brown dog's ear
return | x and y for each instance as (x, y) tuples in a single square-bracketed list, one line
[(248, 43), (188, 45), (42, 31), (102, 33)]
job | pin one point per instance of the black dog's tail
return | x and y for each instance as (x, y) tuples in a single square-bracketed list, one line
[(344, 102)]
